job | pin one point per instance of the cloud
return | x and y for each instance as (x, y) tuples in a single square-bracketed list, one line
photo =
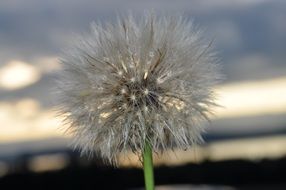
[(25, 120), (17, 74), (33, 33), (252, 98)]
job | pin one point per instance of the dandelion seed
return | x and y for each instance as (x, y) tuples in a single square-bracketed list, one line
[(145, 74), (132, 79), (123, 91), (161, 90), (133, 97), (146, 92), (145, 108), (120, 73), (105, 59)]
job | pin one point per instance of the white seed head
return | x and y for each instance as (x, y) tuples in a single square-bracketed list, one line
[(145, 108), (132, 79), (145, 75), (120, 73), (146, 92), (133, 97), (123, 91), (137, 80), (151, 54), (105, 59)]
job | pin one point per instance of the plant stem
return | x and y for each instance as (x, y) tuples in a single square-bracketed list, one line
[(148, 167)]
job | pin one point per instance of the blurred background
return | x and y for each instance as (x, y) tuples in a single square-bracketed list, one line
[(245, 142)]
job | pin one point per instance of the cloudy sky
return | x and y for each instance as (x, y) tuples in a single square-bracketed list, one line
[(250, 36)]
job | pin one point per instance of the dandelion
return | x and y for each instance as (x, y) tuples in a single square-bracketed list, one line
[(139, 85)]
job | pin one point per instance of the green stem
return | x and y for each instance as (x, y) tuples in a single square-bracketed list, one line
[(148, 167)]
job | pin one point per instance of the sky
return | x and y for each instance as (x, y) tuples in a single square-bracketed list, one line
[(249, 35)]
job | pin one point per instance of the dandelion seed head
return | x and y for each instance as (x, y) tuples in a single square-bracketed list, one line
[(132, 79), (140, 79), (146, 92), (123, 91), (120, 73), (133, 97), (151, 54)]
